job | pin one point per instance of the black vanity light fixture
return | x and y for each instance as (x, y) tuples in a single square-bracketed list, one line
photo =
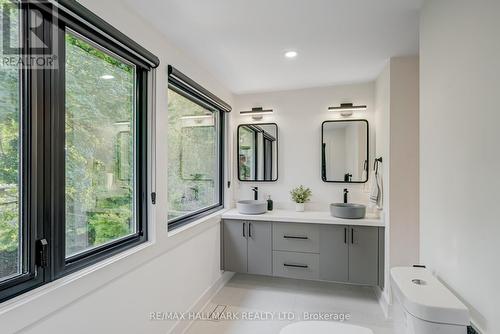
[(346, 109), (256, 113)]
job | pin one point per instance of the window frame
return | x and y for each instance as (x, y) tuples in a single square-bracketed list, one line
[(220, 119), (62, 265), (31, 216), (43, 145)]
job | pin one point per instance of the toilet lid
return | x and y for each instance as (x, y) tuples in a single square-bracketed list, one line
[(324, 327), (426, 298)]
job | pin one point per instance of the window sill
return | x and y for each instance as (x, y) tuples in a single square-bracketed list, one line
[(211, 217)]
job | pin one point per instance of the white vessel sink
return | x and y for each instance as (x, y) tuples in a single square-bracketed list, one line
[(252, 207), (348, 210)]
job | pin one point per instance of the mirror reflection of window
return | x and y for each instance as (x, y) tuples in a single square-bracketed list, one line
[(345, 151), (247, 157), (268, 158), (257, 152)]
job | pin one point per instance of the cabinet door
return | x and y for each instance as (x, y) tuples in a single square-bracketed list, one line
[(333, 253), (235, 246), (363, 255), (260, 248)]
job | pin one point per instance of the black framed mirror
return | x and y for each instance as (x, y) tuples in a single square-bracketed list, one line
[(345, 151), (257, 152)]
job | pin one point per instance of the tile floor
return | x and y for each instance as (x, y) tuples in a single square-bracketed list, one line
[(267, 298)]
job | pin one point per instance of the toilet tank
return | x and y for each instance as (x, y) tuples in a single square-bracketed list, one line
[(423, 305)]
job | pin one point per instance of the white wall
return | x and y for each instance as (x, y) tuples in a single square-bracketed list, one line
[(397, 142), (299, 114), (382, 123), (169, 273), (459, 146), (404, 161)]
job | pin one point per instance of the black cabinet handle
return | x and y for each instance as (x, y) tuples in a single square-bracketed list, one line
[(352, 236), (250, 230), (244, 230), (345, 235), (294, 237), (302, 266)]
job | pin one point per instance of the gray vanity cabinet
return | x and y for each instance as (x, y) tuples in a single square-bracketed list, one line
[(363, 255), (259, 238), (247, 247), (334, 253), (327, 252)]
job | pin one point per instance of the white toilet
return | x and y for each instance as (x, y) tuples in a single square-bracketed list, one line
[(423, 305), (324, 327)]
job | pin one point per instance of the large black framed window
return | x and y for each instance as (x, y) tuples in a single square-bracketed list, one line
[(195, 139), (73, 143)]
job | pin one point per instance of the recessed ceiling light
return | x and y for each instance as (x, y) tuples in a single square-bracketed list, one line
[(291, 54), (107, 77)]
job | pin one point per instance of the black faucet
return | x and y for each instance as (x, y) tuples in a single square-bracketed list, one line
[(346, 192), (255, 193)]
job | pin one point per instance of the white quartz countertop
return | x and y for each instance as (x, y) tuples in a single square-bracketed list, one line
[(313, 217)]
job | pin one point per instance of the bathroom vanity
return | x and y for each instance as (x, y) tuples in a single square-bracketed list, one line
[(304, 245)]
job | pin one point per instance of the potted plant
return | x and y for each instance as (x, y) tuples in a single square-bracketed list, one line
[(300, 196)]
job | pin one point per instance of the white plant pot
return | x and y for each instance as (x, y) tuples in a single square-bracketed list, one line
[(299, 207)]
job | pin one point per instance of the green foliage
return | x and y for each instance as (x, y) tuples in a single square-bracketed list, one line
[(8, 234), (9, 156), (9, 144), (110, 221), (107, 226), (301, 194), (89, 49)]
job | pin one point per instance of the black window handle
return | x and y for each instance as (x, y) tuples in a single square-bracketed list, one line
[(244, 230), (295, 237), (303, 266)]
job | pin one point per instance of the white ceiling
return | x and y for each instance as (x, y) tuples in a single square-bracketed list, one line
[(242, 42)]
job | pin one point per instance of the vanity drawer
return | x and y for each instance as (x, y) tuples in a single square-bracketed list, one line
[(296, 265), (296, 237)]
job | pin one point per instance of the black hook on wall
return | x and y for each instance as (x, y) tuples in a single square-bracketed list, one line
[(376, 163)]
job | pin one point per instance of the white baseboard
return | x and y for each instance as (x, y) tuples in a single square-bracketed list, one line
[(182, 325), (384, 301)]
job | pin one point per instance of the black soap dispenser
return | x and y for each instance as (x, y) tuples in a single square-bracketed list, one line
[(269, 203)]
